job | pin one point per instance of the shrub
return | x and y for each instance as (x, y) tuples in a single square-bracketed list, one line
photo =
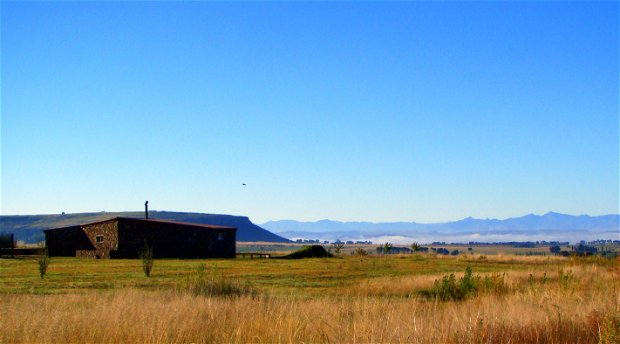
[(337, 247), (446, 289), (146, 254), (415, 247), (385, 248), (360, 252), (314, 251), (44, 261), (468, 284), (449, 289)]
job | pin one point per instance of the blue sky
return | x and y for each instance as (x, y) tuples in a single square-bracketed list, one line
[(370, 111)]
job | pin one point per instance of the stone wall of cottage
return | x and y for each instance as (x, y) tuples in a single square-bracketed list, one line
[(103, 237)]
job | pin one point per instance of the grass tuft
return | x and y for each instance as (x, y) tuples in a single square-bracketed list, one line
[(146, 255), (44, 261)]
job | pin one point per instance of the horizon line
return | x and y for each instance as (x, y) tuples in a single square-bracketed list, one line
[(315, 221)]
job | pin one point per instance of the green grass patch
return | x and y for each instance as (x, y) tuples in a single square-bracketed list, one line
[(311, 276)]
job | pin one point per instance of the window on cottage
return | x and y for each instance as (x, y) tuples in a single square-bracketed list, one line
[(99, 239), (220, 236)]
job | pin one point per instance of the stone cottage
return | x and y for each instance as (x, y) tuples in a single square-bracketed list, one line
[(123, 237)]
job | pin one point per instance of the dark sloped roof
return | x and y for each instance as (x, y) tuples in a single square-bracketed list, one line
[(189, 224), (177, 223)]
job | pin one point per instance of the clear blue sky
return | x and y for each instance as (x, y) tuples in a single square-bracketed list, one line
[(369, 111)]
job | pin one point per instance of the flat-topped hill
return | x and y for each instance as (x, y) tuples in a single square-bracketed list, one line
[(28, 228)]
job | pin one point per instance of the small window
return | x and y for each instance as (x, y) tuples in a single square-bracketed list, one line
[(99, 239), (220, 236)]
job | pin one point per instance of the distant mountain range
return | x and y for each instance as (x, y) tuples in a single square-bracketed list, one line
[(550, 226), (28, 228)]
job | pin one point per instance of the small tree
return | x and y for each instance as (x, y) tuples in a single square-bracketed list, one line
[(44, 261), (415, 247), (387, 247), (146, 254), (555, 249), (337, 247)]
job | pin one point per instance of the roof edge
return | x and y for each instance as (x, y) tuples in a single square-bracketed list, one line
[(121, 218)]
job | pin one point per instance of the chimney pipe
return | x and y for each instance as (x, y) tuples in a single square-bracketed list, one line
[(146, 209)]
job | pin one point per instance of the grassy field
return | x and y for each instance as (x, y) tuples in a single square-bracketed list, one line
[(494, 249), (347, 299)]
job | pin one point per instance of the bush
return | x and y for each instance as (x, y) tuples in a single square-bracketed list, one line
[(146, 254), (415, 247), (337, 247), (314, 251), (44, 261), (213, 284), (448, 289), (360, 252), (387, 247), (443, 251)]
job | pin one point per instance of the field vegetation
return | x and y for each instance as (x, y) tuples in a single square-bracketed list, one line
[(419, 298)]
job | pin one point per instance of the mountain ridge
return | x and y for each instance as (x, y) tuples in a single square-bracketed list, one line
[(551, 225), (28, 228)]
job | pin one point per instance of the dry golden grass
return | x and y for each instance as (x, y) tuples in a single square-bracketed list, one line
[(549, 303)]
